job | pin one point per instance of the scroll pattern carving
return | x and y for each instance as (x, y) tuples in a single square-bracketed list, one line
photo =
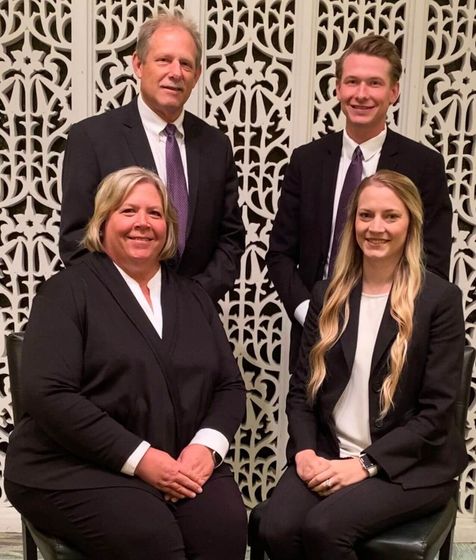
[(447, 122), (34, 108), (250, 54), (248, 94)]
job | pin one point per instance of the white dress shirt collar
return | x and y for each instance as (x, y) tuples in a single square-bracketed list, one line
[(370, 148), (155, 124), (154, 313)]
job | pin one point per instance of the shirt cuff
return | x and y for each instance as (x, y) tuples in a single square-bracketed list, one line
[(301, 311), (213, 439), (129, 467)]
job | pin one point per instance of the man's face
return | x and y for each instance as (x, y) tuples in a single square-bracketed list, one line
[(169, 71), (365, 92)]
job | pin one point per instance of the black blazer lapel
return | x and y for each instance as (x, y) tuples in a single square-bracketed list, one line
[(330, 170), (385, 336), (348, 340), (193, 149), (104, 269), (136, 137), (389, 157)]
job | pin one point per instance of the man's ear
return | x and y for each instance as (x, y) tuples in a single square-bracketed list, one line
[(136, 65), (395, 92)]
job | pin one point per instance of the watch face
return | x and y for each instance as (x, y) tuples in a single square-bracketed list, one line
[(370, 467), (366, 462)]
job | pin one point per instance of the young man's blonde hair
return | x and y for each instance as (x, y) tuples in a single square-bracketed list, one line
[(374, 45)]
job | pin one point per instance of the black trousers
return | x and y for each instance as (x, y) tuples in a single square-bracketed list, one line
[(298, 524), (120, 523)]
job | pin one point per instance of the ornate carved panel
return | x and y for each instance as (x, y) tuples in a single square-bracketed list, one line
[(35, 94), (254, 63), (448, 123), (248, 94)]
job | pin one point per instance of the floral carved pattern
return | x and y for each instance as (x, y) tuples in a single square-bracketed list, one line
[(251, 53)]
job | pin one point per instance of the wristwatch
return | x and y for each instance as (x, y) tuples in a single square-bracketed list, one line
[(217, 458), (367, 464)]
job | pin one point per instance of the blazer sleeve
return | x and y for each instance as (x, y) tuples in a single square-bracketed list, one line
[(433, 187), (53, 362), (80, 178), (223, 268), (227, 407), (427, 427), (302, 423), (284, 242)]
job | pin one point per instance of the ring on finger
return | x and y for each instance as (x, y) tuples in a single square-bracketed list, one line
[(328, 483)]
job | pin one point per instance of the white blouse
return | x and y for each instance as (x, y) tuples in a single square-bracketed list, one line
[(351, 413)]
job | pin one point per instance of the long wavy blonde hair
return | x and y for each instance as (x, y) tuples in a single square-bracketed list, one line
[(407, 281)]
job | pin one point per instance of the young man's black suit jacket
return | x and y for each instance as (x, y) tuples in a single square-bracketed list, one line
[(215, 235), (416, 444), (99, 379), (299, 241)]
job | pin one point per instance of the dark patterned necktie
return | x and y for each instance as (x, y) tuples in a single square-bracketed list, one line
[(176, 183), (353, 177)]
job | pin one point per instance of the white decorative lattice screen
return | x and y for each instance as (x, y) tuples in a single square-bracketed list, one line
[(268, 82)]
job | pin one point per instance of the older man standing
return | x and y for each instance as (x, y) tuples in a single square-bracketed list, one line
[(154, 131)]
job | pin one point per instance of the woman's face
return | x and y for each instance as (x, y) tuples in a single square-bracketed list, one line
[(381, 224), (135, 233)]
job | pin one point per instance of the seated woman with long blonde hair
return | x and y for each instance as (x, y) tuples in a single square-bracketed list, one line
[(373, 441)]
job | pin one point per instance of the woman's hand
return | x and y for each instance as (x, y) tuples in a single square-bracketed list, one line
[(175, 479), (197, 459), (309, 465), (338, 474)]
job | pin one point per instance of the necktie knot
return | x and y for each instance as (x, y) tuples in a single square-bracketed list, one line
[(357, 156), (170, 130)]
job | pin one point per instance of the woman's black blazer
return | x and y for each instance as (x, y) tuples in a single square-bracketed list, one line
[(416, 444), (99, 380)]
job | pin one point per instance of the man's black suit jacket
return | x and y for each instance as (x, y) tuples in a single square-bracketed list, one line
[(299, 240), (105, 143), (417, 443), (99, 379)]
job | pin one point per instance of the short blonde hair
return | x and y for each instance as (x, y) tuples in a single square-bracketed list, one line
[(373, 45), (112, 191)]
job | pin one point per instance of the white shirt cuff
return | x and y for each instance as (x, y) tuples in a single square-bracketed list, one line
[(212, 439), (301, 311), (129, 467)]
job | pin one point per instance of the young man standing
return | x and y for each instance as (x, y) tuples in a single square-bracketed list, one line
[(318, 180)]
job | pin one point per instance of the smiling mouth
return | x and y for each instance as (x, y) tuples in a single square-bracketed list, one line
[(176, 89), (377, 241)]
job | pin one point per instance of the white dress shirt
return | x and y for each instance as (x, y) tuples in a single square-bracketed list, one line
[(154, 127)]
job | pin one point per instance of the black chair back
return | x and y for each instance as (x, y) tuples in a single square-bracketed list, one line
[(50, 547)]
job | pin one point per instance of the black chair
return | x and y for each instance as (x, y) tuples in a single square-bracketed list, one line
[(422, 539), (51, 548)]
